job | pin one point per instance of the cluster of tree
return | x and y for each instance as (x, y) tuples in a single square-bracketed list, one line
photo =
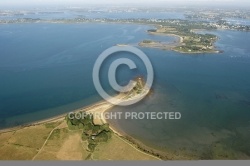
[(152, 30), (191, 47), (147, 41), (185, 26), (91, 132), (200, 39)]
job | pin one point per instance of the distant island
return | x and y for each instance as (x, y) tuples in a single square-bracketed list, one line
[(188, 41)]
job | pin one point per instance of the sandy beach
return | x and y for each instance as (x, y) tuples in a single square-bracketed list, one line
[(100, 108), (55, 118), (97, 108), (163, 45)]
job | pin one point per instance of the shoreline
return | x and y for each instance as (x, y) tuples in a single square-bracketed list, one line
[(105, 106), (98, 107), (180, 38), (173, 46), (161, 45), (48, 120)]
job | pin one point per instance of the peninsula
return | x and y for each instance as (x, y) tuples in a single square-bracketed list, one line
[(64, 138)]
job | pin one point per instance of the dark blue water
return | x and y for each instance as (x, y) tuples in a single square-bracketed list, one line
[(44, 66), (46, 70)]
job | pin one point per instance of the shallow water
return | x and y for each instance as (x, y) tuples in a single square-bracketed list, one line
[(211, 91)]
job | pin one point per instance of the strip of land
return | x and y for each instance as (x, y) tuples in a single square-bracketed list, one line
[(53, 139)]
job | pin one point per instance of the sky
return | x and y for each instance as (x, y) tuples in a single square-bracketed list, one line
[(37, 3)]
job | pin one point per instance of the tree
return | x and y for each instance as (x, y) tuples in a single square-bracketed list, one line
[(80, 126), (105, 127), (84, 137), (71, 127), (75, 122), (92, 146), (96, 128), (102, 137)]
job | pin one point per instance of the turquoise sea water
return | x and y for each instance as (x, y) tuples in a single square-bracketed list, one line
[(46, 70)]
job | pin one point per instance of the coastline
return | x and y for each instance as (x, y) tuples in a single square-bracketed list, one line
[(48, 120), (102, 106), (161, 45), (178, 45), (180, 38), (98, 107)]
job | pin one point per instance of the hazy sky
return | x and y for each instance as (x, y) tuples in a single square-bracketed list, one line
[(26, 3)]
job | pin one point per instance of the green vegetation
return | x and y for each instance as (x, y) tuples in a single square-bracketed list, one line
[(147, 41), (193, 42), (92, 133), (187, 25), (55, 134), (151, 30), (138, 87), (50, 125), (190, 41)]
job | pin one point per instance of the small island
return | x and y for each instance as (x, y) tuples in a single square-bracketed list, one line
[(188, 41)]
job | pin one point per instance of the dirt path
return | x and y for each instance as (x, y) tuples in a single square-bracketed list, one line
[(45, 142)]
